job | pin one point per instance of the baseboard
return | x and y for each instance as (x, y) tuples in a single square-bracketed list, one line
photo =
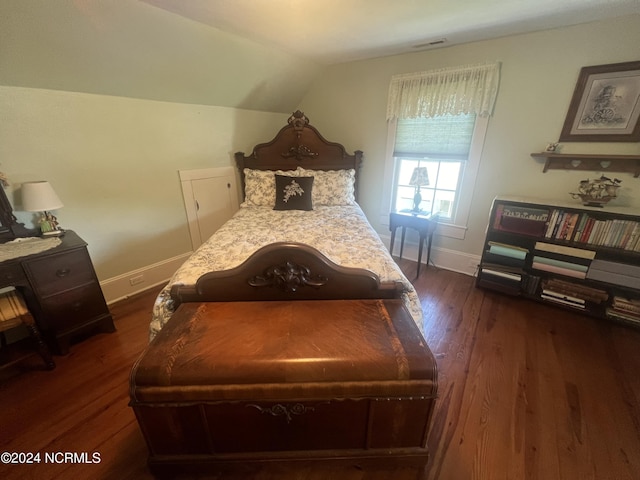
[(440, 257), (136, 281)]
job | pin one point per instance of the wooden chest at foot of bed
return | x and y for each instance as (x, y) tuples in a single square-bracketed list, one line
[(227, 382)]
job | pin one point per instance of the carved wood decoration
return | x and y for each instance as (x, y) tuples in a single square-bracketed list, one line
[(289, 277), (286, 271), (298, 144)]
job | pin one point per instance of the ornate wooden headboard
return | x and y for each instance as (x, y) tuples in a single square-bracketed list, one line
[(299, 144)]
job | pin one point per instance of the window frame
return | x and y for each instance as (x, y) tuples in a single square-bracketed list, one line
[(456, 228)]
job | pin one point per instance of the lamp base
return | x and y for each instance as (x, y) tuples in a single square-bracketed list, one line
[(417, 200)]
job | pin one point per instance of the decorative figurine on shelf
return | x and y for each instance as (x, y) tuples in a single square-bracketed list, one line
[(552, 147), (597, 193)]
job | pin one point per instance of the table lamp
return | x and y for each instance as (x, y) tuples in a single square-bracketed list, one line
[(419, 178), (40, 197)]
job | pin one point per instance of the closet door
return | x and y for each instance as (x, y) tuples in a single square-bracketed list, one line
[(210, 199)]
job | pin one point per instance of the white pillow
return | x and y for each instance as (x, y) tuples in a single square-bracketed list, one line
[(260, 186), (332, 187)]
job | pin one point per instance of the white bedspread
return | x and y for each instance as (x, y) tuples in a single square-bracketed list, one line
[(342, 233)]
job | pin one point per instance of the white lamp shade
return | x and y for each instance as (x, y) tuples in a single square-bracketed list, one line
[(420, 177), (39, 197)]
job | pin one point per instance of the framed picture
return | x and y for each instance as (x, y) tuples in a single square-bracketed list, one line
[(605, 106)]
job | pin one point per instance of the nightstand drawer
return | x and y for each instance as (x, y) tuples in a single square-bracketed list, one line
[(61, 272), (74, 307)]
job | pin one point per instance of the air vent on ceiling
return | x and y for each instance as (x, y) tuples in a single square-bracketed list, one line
[(432, 43)]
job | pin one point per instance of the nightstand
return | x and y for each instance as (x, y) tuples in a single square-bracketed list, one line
[(424, 223), (61, 290)]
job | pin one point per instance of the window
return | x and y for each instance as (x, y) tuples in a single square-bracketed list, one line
[(438, 120), (452, 175), (442, 145)]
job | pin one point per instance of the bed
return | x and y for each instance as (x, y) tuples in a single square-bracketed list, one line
[(257, 246), (290, 335)]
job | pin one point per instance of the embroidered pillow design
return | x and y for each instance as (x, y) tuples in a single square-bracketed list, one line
[(294, 193)]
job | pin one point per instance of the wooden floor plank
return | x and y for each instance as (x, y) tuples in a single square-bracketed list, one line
[(526, 391)]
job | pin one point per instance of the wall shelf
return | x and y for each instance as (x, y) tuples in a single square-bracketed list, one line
[(597, 163)]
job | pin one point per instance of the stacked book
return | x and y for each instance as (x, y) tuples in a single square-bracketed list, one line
[(571, 294), (625, 310), (616, 273), (562, 225), (563, 260), (502, 267)]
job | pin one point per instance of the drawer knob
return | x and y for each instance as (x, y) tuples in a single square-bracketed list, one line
[(63, 272)]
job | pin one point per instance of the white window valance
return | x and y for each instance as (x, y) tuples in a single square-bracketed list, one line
[(469, 89)]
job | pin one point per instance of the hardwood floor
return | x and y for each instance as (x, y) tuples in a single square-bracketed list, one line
[(526, 391)]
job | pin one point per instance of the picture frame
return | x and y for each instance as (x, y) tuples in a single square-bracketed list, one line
[(605, 106)]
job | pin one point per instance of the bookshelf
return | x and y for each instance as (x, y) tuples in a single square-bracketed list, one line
[(586, 259)]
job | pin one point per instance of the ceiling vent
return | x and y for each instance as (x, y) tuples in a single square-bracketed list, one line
[(432, 43)]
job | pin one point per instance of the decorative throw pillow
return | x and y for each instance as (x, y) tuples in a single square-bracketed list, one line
[(332, 187), (260, 186), (294, 193)]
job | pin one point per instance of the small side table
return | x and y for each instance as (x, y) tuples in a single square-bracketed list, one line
[(424, 223)]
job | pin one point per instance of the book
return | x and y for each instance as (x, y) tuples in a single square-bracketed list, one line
[(523, 226), (616, 267), (626, 305), (562, 296), (565, 250), (501, 273), (520, 219), (551, 223), (562, 302), (586, 232), (508, 250), (560, 263), (503, 260), (592, 294), (528, 213), (559, 221), (562, 257), (613, 278), (559, 270), (530, 283), (623, 317), (565, 232)]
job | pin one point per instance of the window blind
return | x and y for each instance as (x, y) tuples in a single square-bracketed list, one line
[(445, 137)]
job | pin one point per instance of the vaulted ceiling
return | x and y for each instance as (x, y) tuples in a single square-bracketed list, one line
[(331, 31), (252, 54)]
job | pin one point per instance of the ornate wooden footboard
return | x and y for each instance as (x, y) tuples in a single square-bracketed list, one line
[(286, 271)]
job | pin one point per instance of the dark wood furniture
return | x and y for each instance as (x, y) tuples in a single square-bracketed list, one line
[(61, 290), (286, 271), (250, 382), (424, 223), (586, 259), (299, 144)]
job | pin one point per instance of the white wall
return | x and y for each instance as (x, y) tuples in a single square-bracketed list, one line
[(539, 72), (114, 163), (132, 49)]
